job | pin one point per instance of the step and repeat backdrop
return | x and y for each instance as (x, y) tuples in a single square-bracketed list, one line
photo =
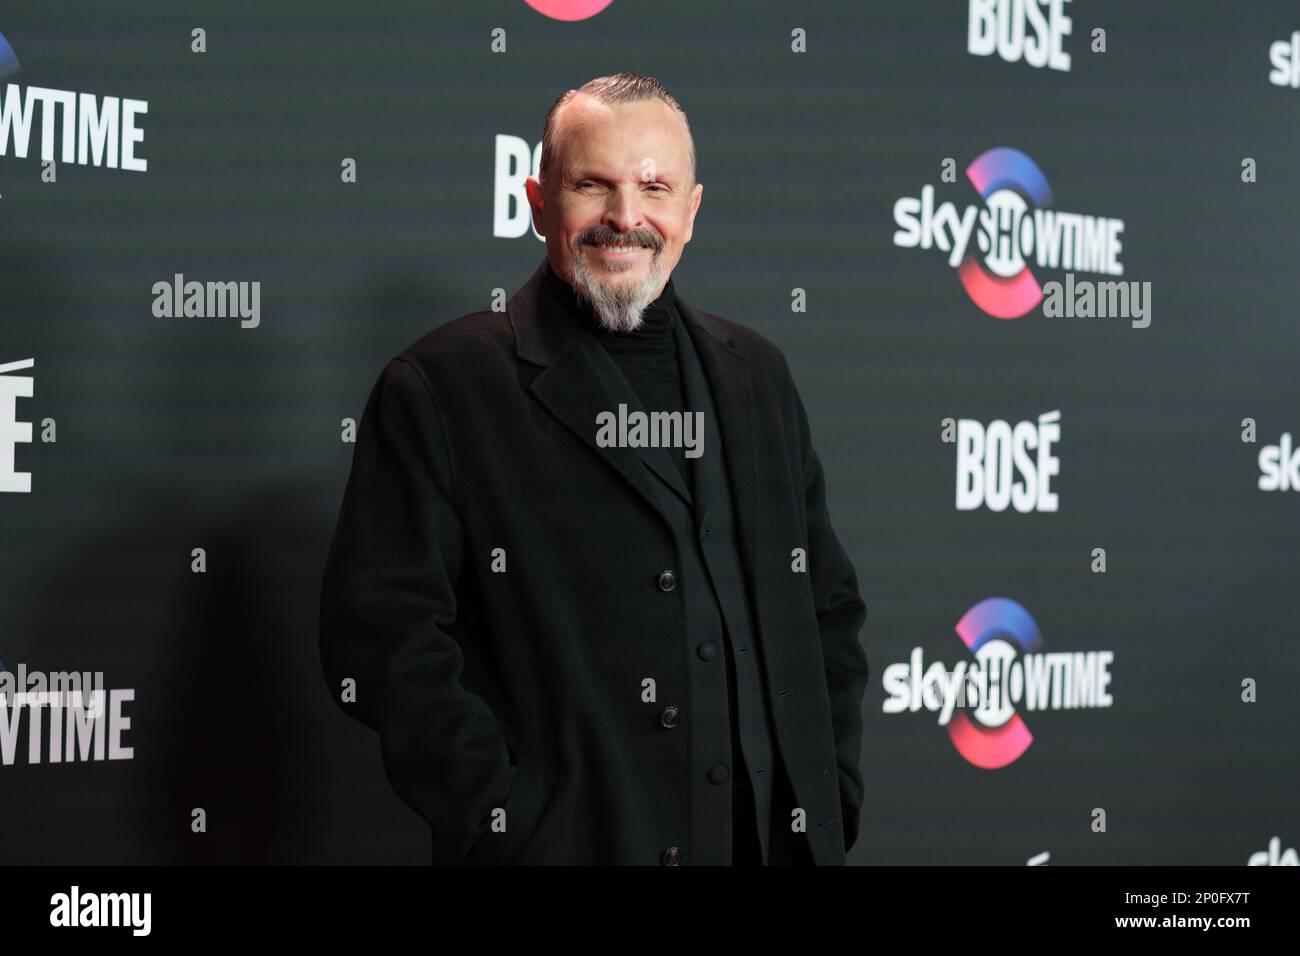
[(1033, 264)]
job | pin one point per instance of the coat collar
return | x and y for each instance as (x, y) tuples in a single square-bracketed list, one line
[(543, 343), (579, 380)]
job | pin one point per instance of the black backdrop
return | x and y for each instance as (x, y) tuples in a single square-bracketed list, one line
[(183, 433)]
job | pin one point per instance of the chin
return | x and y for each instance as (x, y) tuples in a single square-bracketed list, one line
[(631, 273), (620, 275)]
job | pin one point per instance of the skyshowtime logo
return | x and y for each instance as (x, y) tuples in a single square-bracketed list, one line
[(68, 717), (995, 271), (95, 131), (1285, 57), (1007, 671), (1279, 466), (9, 64), (569, 9)]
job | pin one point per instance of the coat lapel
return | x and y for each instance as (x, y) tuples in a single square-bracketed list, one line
[(731, 384), (578, 381)]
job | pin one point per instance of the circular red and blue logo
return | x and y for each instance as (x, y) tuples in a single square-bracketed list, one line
[(993, 630), (999, 280), (568, 9), (9, 64)]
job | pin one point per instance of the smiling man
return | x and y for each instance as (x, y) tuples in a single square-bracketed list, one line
[(620, 198), (585, 645)]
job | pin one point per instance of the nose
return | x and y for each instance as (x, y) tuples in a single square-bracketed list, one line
[(623, 209)]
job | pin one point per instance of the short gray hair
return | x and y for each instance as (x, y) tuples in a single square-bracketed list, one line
[(622, 87)]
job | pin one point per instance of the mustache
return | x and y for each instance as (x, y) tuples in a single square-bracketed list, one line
[(601, 235)]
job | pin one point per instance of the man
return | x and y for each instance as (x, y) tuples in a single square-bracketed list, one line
[(584, 583)]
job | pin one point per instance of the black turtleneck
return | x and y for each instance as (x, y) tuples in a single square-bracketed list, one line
[(647, 356)]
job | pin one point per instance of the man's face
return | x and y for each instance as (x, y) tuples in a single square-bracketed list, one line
[(618, 206)]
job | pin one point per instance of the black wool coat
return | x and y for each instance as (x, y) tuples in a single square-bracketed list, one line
[(491, 596)]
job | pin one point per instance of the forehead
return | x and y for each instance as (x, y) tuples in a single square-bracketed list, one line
[(588, 131)]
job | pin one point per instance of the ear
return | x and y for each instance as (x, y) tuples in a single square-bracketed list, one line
[(696, 195), (536, 202)]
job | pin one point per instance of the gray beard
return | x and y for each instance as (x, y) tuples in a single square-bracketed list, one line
[(618, 308)]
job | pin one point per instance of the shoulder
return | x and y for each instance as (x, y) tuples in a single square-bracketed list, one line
[(474, 344), (765, 357), (776, 392)]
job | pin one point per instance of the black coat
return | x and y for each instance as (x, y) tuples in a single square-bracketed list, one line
[(522, 690)]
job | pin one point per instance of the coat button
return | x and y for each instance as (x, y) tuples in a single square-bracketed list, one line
[(668, 716), (667, 580), (672, 856), (707, 651), (719, 774)]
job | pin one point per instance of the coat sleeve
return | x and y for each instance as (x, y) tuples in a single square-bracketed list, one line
[(387, 601), (840, 616)]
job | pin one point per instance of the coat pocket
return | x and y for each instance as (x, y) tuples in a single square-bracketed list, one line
[(525, 805)]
